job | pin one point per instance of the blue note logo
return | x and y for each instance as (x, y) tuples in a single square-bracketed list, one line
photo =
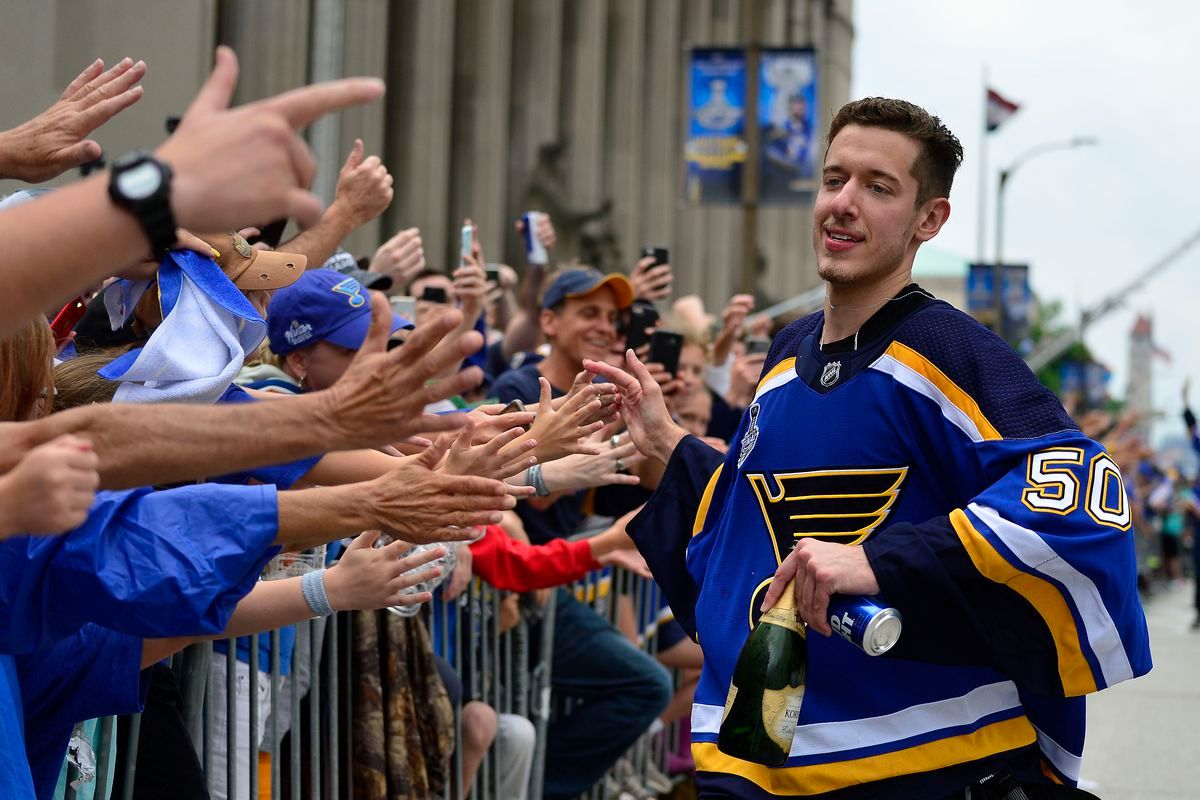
[(352, 289)]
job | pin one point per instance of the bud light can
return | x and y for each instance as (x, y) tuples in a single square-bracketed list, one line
[(864, 623), (535, 253)]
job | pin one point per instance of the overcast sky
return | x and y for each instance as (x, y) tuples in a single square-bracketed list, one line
[(1086, 220)]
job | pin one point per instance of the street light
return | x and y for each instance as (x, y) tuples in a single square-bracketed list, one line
[(1005, 174)]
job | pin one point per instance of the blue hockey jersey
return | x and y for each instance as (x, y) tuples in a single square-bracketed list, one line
[(1000, 532)]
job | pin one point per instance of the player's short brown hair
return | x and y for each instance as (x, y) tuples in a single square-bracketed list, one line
[(940, 154)]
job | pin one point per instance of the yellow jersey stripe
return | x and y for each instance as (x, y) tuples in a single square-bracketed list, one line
[(776, 371), (706, 500), (957, 397), (1073, 668), (816, 779)]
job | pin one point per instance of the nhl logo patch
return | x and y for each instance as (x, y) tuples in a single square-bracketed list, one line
[(831, 373)]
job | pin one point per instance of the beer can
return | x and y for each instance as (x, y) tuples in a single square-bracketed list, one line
[(535, 252), (862, 621)]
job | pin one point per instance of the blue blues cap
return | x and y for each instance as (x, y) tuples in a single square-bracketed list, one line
[(323, 305), (583, 281)]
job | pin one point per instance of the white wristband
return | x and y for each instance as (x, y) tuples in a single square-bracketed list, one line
[(312, 586)]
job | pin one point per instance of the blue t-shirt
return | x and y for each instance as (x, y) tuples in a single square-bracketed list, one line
[(95, 673), (283, 476), (146, 563), (15, 780)]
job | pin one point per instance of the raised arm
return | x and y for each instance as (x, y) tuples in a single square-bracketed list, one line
[(380, 399), (364, 191), (232, 167)]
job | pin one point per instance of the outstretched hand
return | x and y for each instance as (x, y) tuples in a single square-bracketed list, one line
[(491, 459), (381, 397), (562, 431), (422, 505), (368, 577), (642, 406), (248, 165), (56, 140)]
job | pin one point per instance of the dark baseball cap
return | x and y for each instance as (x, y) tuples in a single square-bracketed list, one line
[(345, 263), (323, 305), (582, 281)]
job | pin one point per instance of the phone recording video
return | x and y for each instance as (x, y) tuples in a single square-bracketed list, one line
[(434, 294), (643, 317), (665, 349)]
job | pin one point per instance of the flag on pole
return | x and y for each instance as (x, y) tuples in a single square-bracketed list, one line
[(998, 110)]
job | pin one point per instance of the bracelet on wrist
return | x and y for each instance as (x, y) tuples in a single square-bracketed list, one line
[(533, 476), (312, 586)]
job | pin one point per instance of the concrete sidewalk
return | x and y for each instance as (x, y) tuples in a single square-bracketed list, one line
[(1143, 739)]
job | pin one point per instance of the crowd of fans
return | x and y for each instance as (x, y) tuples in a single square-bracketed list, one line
[(397, 426)]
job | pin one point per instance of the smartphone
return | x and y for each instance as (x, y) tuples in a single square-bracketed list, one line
[(66, 320), (493, 274), (434, 294), (514, 407), (642, 316), (660, 254), (757, 344), (405, 305), (468, 239), (665, 347)]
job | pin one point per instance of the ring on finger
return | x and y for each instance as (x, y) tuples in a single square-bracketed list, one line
[(620, 466), (613, 441)]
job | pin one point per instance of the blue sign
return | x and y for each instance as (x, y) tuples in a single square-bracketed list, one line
[(787, 120), (715, 147), (1016, 299)]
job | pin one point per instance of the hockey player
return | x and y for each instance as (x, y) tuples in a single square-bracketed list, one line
[(896, 447)]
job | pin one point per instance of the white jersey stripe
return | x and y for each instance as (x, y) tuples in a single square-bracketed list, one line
[(1038, 556), (782, 379), (1063, 760), (914, 380), (833, 737)]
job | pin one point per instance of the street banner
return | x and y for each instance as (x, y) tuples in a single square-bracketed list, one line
[(787, 120), (1016, 298), (715, 146)]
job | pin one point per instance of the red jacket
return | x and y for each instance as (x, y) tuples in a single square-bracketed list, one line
[(515, 566)]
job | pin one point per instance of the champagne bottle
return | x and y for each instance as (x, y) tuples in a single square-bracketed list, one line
[(763, 705)]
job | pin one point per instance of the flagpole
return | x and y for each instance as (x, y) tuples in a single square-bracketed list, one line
[(981, 224)]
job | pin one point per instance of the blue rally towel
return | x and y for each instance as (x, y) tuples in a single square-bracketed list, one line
[(208, 329)]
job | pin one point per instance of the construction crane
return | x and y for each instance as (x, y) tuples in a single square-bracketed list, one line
[(1059, 344)]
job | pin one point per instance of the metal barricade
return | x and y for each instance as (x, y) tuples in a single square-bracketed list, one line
[(495, 667)]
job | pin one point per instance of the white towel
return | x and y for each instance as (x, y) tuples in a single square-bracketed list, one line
[(208, 328)]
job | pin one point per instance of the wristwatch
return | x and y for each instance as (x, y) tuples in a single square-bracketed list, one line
[(141, 184)]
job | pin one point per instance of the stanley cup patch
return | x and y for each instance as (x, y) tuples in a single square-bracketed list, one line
[(750, 438)]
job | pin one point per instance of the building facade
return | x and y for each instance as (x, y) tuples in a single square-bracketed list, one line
[(493, 106)]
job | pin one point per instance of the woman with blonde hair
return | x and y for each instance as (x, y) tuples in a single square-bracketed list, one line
[(62, 473)]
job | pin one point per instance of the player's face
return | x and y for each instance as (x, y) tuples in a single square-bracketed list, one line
[(865, 215), (586, 327)]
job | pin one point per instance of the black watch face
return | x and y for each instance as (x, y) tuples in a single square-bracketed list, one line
[(139, 182)]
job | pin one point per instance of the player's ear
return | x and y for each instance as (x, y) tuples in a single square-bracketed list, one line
[(931, 216)]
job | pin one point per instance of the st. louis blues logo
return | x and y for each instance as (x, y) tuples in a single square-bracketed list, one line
[(750, 438), (831, 373), (837, 505)]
